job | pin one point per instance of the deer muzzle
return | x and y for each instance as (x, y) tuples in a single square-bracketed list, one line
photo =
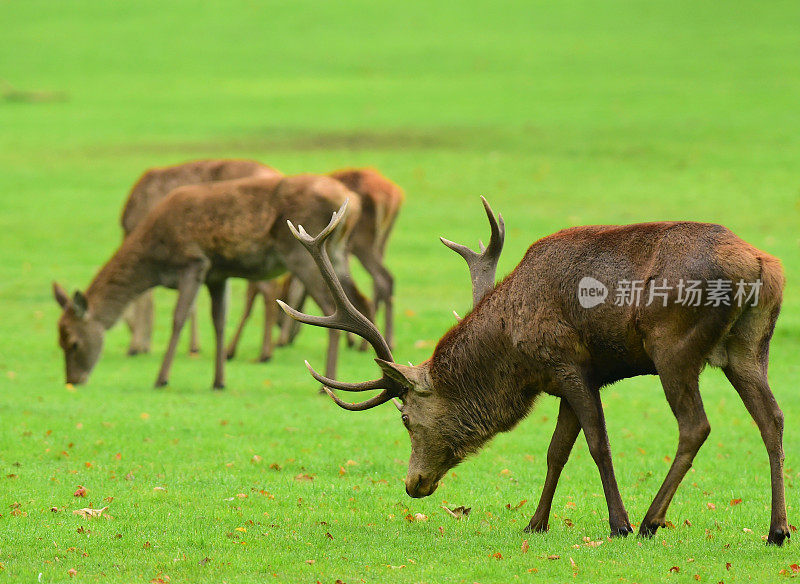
[(419, 486)]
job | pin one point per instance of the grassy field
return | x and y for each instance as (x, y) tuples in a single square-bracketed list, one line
[(562, 113)]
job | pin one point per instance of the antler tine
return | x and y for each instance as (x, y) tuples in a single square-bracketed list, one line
[(483, 264), (345, 317), (328, 382), (379, 399)]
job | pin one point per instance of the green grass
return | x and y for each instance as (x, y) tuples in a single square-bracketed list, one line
[(560, 113)]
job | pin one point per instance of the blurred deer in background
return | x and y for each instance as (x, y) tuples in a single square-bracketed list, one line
[(205, 234), (150, 189), (381, 200), (531, 335)]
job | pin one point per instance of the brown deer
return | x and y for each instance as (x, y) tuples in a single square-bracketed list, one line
[(381, 200), (531, 334), (205, 234), (150, 189)]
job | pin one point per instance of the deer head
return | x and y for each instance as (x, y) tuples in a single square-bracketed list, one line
[(80, 337), (442, 430)]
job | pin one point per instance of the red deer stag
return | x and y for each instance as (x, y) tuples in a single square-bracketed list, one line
[(381, 200), (151, 188), (205, 234), (537, 332)]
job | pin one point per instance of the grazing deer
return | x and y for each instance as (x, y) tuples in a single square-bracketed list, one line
[(536, 333), (381, 200), (150, 189), (205, 234)]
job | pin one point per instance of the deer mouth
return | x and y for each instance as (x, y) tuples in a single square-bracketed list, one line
[(420, 486)]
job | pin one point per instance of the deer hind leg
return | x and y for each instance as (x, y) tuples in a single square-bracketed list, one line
[(383, 286), (585, 403), (269, 290), (296, 298), (564, 436), (747, 372), (219, 306), (250, 298), (139, 317), (188, 283)]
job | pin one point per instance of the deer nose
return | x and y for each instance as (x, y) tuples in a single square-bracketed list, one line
[(419, 487)]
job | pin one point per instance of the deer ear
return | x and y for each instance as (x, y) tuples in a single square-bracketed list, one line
[(79, 304), (60, 295), (408, 376)]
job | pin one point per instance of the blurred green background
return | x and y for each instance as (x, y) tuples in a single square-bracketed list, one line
[(562, 113)]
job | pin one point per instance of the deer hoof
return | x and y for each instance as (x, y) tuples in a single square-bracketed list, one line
[(161, 383), (219, 386), (648, 530), (537, 527), (621, 531), (777, 536), (264, 358)]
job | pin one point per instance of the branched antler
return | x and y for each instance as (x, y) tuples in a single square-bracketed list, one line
[(483, 264), (346, 317)]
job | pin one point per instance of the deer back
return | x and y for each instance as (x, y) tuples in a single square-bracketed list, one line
[(157, 183)]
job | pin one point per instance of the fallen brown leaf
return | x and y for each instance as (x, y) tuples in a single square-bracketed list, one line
[(553, 557), (675, 569), (735, 502), (711, 506), (80, 491), (304, 477), (517, 506), (525, 547), (457, 512), (497, 556), (88, 513)]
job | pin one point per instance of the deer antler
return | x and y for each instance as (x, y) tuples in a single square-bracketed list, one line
[(483, 265), (346, 317)]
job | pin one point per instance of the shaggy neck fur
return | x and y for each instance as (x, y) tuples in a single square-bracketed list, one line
[(487, 382)]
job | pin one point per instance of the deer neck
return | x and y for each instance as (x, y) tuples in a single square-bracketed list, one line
[(480, 366), (124, 277)]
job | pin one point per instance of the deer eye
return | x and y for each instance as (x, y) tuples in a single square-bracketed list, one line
[(405, 420)]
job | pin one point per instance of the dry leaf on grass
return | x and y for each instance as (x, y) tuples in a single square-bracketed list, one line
[(89, 513), (517, 506), (457, 512), (735, 502), (304, 477), (525, 547), (80, 491)]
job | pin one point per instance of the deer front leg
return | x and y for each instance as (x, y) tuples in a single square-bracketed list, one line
[(194, 337), (567, 430), (585, 402), (139, 317), (188, 283), (250, 298), (680, 383), (219, 304)]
